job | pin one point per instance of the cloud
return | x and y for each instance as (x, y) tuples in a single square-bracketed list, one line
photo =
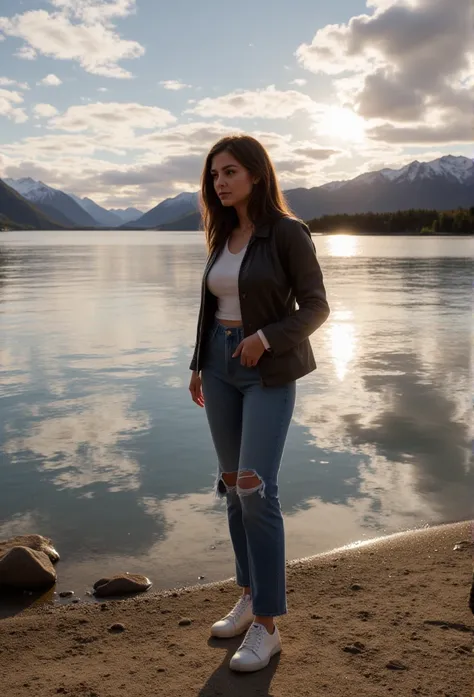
[(174, 85), (102, 89), (91, 11), (112, 117), (316, 153), (300, 81), (7, 82), (26, 53), (401, 68), (81, 31), (50, 81), (268, 103), (8, 99), (44, 110), (165, 161)]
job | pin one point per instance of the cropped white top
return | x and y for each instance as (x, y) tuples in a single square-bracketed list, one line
[(222, 281)]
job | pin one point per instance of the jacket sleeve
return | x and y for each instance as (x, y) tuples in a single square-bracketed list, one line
[(298, 255)]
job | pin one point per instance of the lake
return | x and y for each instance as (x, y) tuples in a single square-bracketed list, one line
[(102, 449)]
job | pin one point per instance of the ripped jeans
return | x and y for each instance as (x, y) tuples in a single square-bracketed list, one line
[(249, 424)]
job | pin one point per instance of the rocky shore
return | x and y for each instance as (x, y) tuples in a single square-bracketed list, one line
[(385, 618)]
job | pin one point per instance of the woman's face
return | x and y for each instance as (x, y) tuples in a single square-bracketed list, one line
[(232, 182)]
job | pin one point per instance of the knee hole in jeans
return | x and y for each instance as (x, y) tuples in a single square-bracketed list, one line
[(226, 483), (249, 482)]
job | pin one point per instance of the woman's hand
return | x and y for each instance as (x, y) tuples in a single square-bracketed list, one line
[(250, 350), (195, 387)]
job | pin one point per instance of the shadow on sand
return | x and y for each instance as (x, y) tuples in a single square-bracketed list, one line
[(226, 683)]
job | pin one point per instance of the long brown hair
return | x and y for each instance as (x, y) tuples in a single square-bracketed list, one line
[(266, 201)]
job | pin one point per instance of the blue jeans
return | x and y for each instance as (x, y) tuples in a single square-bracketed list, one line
[(249, 424)]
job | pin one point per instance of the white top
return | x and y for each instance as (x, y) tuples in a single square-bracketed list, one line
[(222, 281)]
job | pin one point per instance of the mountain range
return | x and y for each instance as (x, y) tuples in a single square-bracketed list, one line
[(443, 184)]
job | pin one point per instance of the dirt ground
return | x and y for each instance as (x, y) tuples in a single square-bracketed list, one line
[(386, 618)]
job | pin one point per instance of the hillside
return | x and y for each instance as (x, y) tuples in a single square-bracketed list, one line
[(20, 211), (192, 221)]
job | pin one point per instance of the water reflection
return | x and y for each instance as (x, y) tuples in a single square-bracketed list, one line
[(342, 245), (102, 449)]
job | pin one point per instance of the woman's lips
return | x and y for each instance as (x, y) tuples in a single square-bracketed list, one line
[(225, 193)]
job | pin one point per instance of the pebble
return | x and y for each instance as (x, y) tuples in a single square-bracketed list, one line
[(117, 627), (200, 578), (356, 647), (184, 622), (66, 594), (356, 587), (396, 665)]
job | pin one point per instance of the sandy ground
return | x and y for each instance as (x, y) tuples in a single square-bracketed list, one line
[(407, 630)]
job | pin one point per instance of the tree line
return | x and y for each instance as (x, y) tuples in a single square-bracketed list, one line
[(417, 221)]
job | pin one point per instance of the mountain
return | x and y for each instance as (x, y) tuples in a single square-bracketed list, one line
[(192, 221), (54, 203), (102, 216), (443, 184), (20, 211), (168, 210), (127, 215)]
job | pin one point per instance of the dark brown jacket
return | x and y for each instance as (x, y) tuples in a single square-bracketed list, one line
[(279, 269)]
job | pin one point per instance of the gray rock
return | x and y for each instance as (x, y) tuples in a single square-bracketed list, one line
[(66, 594), (121, 584), (36, 542), (22, 567)]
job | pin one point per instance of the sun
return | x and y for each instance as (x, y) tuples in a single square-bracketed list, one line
[(342, 123)]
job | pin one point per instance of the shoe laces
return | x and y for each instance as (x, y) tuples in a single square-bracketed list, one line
[(240, 608), (253, 638)]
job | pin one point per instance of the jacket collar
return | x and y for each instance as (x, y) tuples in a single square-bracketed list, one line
[(262, 229)]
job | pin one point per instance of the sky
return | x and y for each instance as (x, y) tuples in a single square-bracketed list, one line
[(120, 100)]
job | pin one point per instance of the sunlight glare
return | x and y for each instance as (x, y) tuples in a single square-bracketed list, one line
[(342, 123), (342, 245), (343, 343)]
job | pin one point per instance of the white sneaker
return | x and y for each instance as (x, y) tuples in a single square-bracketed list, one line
[(256, 650), (237, 621)]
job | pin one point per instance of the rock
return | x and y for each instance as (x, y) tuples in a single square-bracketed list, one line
[(185, 622), (66, 594), (117, 628), (356, 587), (356, 647), (121, 584), (23, 567), (36, 542), (396, 665)]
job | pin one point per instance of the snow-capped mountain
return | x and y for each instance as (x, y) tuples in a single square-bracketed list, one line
[(442, 184), (127, 215), (101, 215), (54, 203), (458, 168), (168, 210), (16, 209)]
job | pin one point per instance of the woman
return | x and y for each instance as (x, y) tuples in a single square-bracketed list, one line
[(252, 345)]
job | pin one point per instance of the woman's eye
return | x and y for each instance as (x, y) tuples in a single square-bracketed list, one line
[(230, 171)]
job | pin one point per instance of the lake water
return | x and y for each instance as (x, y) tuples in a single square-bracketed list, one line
[(102, 449)]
